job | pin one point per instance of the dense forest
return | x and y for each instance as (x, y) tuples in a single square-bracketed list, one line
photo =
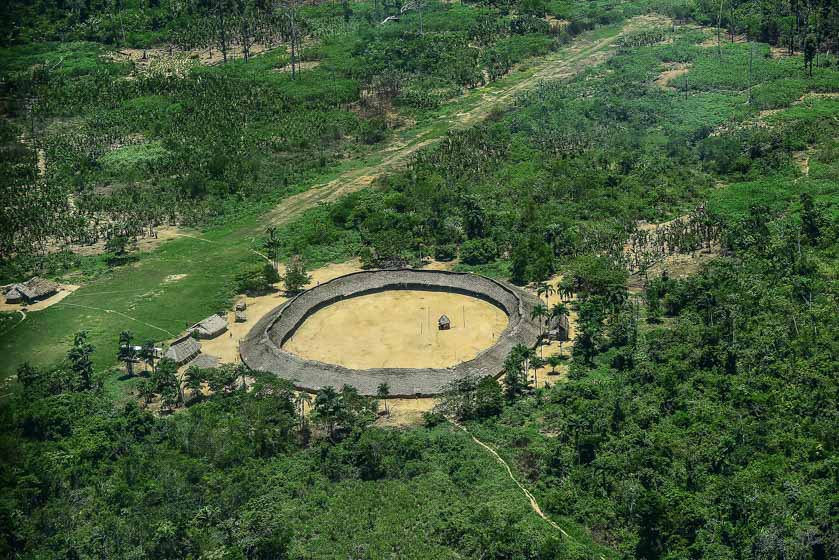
[(698, 414)]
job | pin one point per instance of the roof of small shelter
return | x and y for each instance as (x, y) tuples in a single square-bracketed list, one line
[(182, 349), (35, 287), (211, 325), (204, 361)]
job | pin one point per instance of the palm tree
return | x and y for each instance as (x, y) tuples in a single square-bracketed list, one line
[(531, 360), (126, 351), (554, 361), (147, 354), (382, 394), (546, 290), (566, 289), (539, 312), (327, 408)]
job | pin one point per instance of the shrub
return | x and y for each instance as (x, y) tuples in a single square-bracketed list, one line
[(478, 251), (445, 252)]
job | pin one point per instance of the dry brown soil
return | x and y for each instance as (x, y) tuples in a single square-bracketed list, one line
[(226, 346), (674, 71), (398, 329)]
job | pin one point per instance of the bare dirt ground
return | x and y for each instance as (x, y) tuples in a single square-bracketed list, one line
[(399, 329), (404, 412), (779, 52), (678, 266), (673, 71), (63, 291), (226, 346)]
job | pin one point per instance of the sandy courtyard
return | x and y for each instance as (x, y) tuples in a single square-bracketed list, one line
[(398, 329)]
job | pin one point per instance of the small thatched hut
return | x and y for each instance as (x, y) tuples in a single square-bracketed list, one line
[(32, 290), (204, 361), (13, 295), (444, 323), (210, 327), (183, 350)]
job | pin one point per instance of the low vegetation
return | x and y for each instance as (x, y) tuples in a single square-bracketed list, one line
[(696, 416)]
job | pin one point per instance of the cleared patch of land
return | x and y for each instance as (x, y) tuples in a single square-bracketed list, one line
[(226, 346), (63, 291), (398, 329), (585, 52), (672, 72)]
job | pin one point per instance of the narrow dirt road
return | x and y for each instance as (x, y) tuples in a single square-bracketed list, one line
[(581, 54)]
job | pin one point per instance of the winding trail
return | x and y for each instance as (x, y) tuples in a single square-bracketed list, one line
[(16, 325), (583, 53), (534, 505)]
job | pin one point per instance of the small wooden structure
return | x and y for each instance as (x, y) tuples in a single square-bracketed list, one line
[(210, 327), (183, 349), (241, 317), (444, 323), (241, 306), (32, 290)]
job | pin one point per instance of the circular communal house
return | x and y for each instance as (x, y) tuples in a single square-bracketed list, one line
[(263, 350)]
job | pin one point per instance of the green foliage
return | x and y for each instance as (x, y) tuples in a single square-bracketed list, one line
[(258, 279), (468, 398), (296, 277), (736, 391), (708, 435), (478, 251)]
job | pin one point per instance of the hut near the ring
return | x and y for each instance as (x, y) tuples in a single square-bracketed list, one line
[(558, 328), (444, 323), (32, 290), (210, 327), (183, 349)]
